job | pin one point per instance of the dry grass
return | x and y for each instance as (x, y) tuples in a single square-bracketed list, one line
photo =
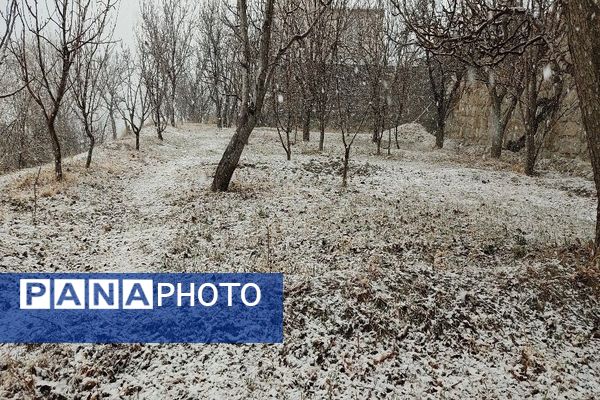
[(74, 172), (23, 185), (17, 379), (247, 190)]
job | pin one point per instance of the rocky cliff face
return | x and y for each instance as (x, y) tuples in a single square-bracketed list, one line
[(469, 123)]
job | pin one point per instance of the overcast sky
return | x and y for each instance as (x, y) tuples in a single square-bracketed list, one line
[(129, 14)]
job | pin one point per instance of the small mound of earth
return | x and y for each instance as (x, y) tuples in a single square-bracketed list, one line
[(334, 167), (414, 136)]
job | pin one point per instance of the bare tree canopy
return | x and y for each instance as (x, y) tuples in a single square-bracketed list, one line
[(584, 34), (51, 38), (257, 68)]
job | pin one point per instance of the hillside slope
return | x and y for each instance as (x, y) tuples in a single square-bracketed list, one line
[(427, 277)]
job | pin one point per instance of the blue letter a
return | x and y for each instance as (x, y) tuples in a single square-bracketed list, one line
[(137, 294), (68, 294)]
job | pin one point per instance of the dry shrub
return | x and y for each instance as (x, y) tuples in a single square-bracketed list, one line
[(588, 277), (22, 186), (570, 270), (16, 380), (47, 186)]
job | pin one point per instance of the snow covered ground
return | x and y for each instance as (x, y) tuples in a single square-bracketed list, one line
[(436, 274)]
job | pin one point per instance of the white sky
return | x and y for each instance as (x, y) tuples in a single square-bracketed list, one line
[(129, 14)]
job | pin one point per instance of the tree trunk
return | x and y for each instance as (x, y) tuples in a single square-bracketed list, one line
[(375, 137), (530, 115), (232, 114), (113, 124), (389, 148), (219, 112), (172, 105), (92, 139), (55, 150), (225, 113), (345, 168), (500, 117), (496, 129), (321, 135), (531, 128), (137, 141), (232, 154), (441, 129), (288, 150), (439, 138), (584, 41), (23, 131), (251, 103), (159, 125), (306, 123), (530, 156)]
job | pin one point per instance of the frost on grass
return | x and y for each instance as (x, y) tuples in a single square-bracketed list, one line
[(434, 275)]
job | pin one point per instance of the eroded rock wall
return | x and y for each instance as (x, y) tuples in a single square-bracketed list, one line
[(469, 124)]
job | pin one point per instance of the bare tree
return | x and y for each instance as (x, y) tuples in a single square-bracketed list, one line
[(213, 49), (17, 147), (9, 16), (221, 51), (487, 36), (194, 93), (372, 55), (87, 83), (111, 81), (545, 83), (167, 33), (315, 60), (51, 38), (445, 73), (87, 92), (445, 79), (155, 83), (256, 70), (135, 107), (584, 35), (351, 122), (504, 87), (284, 97), (404, 58), (302, 78), (22, 122)]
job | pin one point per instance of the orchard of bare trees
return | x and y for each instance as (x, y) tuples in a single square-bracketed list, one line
[(298, 66), (412, 184)]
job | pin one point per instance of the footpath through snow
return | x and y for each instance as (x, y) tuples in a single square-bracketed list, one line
[(431, 276)]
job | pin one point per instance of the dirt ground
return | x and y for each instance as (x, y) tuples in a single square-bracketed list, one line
[(435, 274)]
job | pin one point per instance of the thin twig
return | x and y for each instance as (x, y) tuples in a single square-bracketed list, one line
[(35, 196)]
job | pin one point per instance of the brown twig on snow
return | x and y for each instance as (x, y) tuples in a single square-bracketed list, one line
[(35, 185)]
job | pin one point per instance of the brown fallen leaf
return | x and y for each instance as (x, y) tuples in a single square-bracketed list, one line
[(386, 355)]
